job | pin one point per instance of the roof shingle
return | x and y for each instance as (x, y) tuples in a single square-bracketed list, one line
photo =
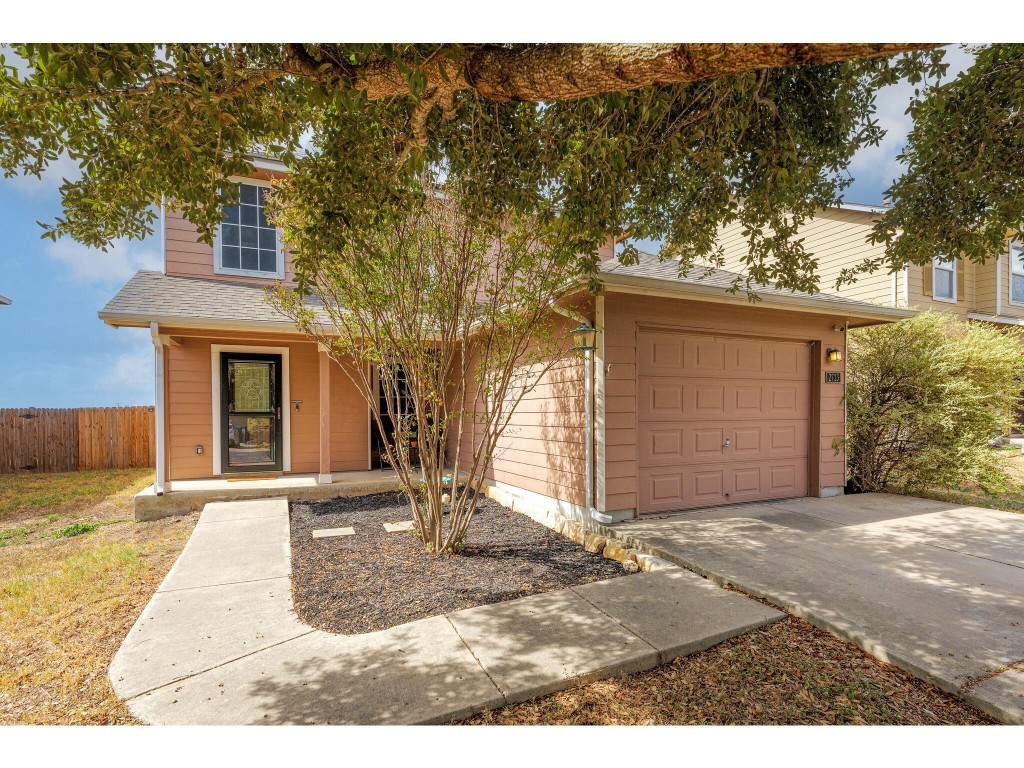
[(156, 295)]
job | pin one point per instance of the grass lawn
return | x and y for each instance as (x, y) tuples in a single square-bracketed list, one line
[(75, 573)]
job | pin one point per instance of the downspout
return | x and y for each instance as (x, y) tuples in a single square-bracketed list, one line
[(158, 380), (588, 421), (999, 286), (163, 230)]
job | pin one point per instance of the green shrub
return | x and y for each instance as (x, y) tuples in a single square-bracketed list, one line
[(924, 399)]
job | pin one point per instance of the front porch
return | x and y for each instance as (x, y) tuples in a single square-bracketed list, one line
[(192, 495)]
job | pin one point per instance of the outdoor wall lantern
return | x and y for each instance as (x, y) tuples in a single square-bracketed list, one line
[(584, 337), (833, 355)]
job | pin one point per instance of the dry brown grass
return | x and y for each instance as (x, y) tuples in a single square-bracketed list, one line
[(788, 673), (67, 603)]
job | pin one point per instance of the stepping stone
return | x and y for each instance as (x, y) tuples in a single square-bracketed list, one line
[(323, 533), (405, 525)]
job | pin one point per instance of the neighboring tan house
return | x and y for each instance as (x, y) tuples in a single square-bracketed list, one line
[(992, 292), (699, 397)]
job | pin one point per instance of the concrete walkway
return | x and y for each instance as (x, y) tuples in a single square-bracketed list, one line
[(935, 588), (219, 643)]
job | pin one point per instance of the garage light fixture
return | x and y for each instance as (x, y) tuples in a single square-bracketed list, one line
[(833, 355), (584, 337)]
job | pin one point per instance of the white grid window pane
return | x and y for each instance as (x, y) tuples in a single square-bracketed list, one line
[(248, 239)]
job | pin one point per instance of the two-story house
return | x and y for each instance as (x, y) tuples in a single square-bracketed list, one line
[(992, 292), (698, 397)]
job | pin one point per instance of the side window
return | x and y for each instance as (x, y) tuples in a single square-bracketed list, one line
[(246, 243), (944, 279), (1017, 271)]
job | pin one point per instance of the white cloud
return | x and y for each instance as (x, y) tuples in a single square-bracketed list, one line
[(122, 259), (875, 168), (131, 374)]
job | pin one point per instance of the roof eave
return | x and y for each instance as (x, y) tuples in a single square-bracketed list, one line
[(128, 320), (672, 289)]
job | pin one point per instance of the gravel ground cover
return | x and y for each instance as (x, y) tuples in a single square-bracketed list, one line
[(373, 580)]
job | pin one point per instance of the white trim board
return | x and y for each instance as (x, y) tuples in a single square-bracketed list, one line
[(995, 318), (600, 371), (286, 427)]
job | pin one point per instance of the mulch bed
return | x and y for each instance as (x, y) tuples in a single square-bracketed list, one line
[(788, 673), (375, 580)]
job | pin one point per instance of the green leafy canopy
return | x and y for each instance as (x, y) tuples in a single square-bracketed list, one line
[(670, 163)]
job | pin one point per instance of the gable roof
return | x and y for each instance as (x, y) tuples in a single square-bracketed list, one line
[(713, 284), (4, 300)]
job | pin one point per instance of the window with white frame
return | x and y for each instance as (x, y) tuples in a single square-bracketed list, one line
[(1017, 271), (246, 243), (944, 279)]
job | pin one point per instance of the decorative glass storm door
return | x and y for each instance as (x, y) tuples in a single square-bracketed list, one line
[(250, 412)]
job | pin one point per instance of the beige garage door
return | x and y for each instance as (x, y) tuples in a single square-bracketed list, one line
[(721, 420)]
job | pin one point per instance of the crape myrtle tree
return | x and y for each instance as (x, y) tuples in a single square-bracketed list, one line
[(453, 313)]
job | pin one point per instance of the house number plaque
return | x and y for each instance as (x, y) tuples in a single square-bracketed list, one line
[(833, 377)]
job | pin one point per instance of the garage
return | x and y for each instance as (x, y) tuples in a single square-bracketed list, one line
[(720, 419)]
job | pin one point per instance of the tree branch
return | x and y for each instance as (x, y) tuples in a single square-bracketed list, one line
[(559, 72)]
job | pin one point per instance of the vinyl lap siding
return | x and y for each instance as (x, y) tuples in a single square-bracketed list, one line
[(837, 238), (542, 449), (350, 421), (985, 286)]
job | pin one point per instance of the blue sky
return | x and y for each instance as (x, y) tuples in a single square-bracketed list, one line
[(55, 352)]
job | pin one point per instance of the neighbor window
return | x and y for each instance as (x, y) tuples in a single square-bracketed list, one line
[(1017, 271), (945, 280), (245, 242)]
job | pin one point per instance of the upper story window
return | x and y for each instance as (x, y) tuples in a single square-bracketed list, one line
[(1017, 271), (944, 279), (246, 243)]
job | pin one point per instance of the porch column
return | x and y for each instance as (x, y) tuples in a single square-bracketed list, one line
[(325, 417), (162, 484)]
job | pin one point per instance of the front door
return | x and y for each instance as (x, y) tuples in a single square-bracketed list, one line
[(250, 412)]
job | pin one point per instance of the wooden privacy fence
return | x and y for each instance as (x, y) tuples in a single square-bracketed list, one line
[(69, 439)]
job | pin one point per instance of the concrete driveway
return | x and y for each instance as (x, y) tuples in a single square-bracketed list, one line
[(935, 588)]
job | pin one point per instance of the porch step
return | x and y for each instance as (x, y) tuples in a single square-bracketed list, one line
[(187, 496)]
